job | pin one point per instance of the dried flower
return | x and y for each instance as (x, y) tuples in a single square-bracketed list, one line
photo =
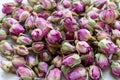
[(23, 16), (33, 2), (45, 56), (19, 1), (116, 34), (43, 66), (57, 61), (66, 3), (38, 47), (3, 34), (117, 25)]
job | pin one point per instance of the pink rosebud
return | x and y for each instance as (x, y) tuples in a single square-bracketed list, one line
[(29, 23), (94, 72), (108, 16), (19, 1), (38, 47), (116, 34), (23, 16), (44, 14), (25, 73), (24, 40), (18, 61), (16, 29), (115, 66), (112, 5), (102, 61), (70, 24), (37, 35), (8, 8), (84, 23), (78, 7), (83, 47), (93, 15), (21, 50), (43, 66), (107, 46), (45, 56), (54, 74), (71, 60), (100, 4), (79, 73), (117, 25), (57, 61), (84, 35), (3, 34), (54, 36), (66, 3)]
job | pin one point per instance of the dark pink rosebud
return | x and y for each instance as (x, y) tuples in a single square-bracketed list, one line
[(54, 74), (115, 66), (70, 24), (100, 4), (19, 1), (23, 16), (94, 72), (78, 7), (32, 60), (24, 40), (3, 34), (8, 8), (83, 47), (18, 61), (16, 13), (93, 15), (25, 73), (5, 48), (57, 61), (54, 36), (43, 66), (108, 16), (66, 3), (29, 23), (21, 50), (117, 25), (71, 60), (87, 59), (44, 14), (107, 46), (37, 34), (38, 47), (45, 56), (79, 73), (102, 61), (84, 35), (16, 29)]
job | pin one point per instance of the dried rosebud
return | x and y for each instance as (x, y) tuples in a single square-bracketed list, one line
[(8, 8), (21, 50), (115, 66), (43, 66), (54, 74), (107, 46), (100, 4), (38, 47), (7, 66), (70, 35), (44, 14), (71, 60), (87, 59), (23, 40), (70, 24), (5, 48), (102, 61), (23, 16), (16, 29), (116, 34), (19, 1), (16, 13), (3, 34), (94, 72), (29, 23), (37, 34), (86, 2), (57, 61), (117, 25), (32, 60), (54, 36), (33, 2), (93, 14), (83, 47), (18, 61), (78, 7), (83, 22), (45, 56), (66, 3), (25, 73), (112, 5), (48, 4), (79, 73), (67, 47), (38, 8), (102, 35), (108, 16), (84, 35)]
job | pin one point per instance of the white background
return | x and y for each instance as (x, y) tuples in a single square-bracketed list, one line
[(9, 76)]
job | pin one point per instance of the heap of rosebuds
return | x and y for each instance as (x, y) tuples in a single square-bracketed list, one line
[(61, 39)]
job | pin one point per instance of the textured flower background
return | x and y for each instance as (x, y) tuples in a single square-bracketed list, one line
[(82, 46)]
